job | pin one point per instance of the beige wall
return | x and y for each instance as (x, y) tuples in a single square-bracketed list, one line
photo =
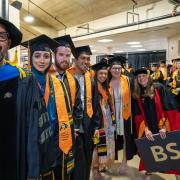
[(14, 17), (173, 50), (149, 11)]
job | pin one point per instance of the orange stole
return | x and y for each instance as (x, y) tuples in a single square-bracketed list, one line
[(156, 74), (71, 81), (174, 78), (65, 134), (165, 73), (88, 94), (88, 90), (126, 96)]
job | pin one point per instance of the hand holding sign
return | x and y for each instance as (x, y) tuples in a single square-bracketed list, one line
[(160, 155), (149, 134), (162, 133)]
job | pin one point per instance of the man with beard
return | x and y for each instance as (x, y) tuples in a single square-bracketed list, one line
[(24, 130), (71, 90), (91, 108)]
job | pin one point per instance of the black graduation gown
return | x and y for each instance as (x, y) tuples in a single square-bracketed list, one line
[(85, 139), (77, 114), (25, 130), (90, 125)]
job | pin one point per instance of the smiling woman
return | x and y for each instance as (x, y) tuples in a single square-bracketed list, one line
[(41, 60)]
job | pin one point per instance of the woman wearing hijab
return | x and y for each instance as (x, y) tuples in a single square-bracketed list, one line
[(104, 153), (57, 104)]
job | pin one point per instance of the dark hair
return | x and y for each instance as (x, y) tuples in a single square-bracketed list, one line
[(62, 44), (105, 84), (82, 52)]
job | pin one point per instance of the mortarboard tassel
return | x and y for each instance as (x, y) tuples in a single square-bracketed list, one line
[(29, 66), (15, 60)]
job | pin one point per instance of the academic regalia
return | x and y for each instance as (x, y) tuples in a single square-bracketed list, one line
[(59, 110), (90, 120), (66, 41), (77, 118), (155, 112), (73, 90), (164, 71), (125, 120), (175, 86), (22, 98), (23, 150), (82, 49), (104, 152), (157, 76)]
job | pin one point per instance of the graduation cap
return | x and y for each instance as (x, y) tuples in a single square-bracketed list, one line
[(83, 49), (66, 41), (40, 43), (177, 60), (101, 65), (141, 71), (154, 64), (173, 60), (120, 60), (14, 33), (163, 62)]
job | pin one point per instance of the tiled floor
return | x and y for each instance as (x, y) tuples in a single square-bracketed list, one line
[(133, 173)]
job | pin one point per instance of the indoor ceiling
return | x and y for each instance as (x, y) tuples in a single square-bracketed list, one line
[(150, 39), (69, 13)]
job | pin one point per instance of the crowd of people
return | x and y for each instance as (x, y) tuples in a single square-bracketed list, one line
[(60, 122)]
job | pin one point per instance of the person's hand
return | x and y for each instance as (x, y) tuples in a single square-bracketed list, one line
[(76, 132), (149, 134), (162, 133), (96, 133)]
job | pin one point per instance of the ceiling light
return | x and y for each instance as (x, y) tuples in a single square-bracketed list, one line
[(133, 43), (119, 51), (29, 18), (141, 49), (93, 50), (90, 46), (136, 46), (105, 40)]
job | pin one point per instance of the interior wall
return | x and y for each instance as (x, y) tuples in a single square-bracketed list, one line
[(14, 17), (146, 12), (173, 47)]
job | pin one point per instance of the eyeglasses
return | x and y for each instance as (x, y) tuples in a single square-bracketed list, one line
[(116, 68), (4, 36)]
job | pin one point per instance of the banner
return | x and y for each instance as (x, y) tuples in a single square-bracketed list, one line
[(160, 154)]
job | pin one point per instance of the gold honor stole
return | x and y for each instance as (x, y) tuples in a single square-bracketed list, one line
[(88, 94), (72, 84), (156, 74), (88, 90), (126, 96), (165, 73), (175, 73), (65, 134)]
